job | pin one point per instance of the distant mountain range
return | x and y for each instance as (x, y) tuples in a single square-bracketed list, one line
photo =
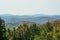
[(38, 18)]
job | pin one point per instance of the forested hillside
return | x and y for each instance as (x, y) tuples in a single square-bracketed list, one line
[(47, 31)]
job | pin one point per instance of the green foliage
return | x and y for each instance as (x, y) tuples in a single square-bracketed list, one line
[(49, 27), (2, 30), (47, 31)]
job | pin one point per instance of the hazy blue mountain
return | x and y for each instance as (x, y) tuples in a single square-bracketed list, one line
[(15, 20), (38, 18)]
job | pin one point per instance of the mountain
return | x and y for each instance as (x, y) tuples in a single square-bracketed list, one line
[(11, 25), (14, 20), (38, 18)]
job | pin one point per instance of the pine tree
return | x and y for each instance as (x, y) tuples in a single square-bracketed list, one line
[(49, 27), (2, 30)]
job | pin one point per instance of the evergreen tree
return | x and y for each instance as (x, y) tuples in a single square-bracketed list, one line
[(2, 30), (49, 27), (34, 30), (14, 34)]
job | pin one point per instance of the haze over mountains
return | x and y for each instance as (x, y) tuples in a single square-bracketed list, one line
[(38, 18), (15, 20)]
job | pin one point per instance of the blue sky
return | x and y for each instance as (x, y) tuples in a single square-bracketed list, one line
[(30, 7)]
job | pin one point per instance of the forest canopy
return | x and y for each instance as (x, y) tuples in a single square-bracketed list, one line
[(47, 31)]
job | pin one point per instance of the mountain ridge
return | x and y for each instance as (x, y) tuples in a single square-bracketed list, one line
[(33, 18), (15, 20)]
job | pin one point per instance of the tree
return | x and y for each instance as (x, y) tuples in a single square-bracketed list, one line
[(49, 27), (23, 32), (34, 30), (14, 34), (2, 29)]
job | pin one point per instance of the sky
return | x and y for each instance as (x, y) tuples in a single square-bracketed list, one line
[(30, 7)]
